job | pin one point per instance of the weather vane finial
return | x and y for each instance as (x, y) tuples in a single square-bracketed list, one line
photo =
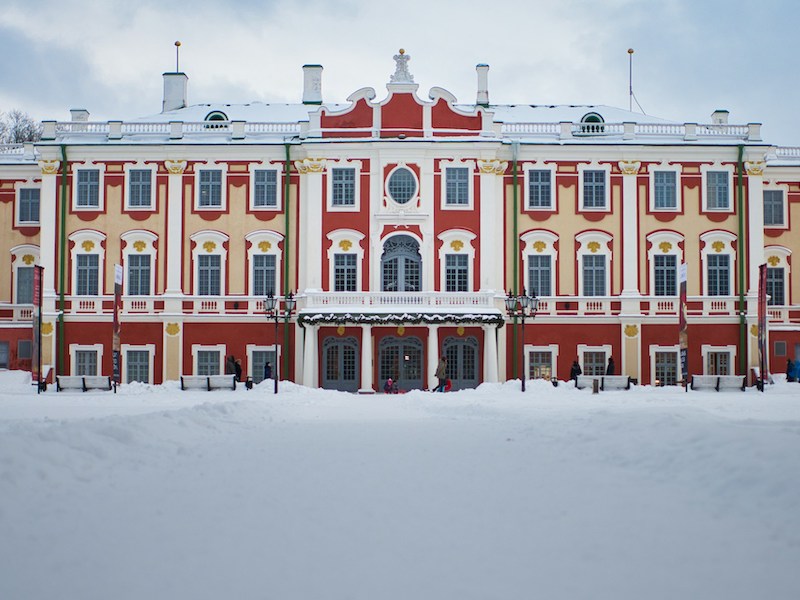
[(401, 74), (177, 57)]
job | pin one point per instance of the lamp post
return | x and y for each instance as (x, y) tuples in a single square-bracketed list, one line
[(273, 310), (522, 306)]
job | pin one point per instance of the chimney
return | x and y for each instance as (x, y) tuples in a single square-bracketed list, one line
[(719, 117), (175, 88), (483, 85), (79, 115), (312, 84)]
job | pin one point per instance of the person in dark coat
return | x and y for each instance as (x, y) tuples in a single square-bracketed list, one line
[(791, 370), (611, 369), (575, 370), (230, 365), (267, 371), (441, 374), (390, 387), (237, 369)]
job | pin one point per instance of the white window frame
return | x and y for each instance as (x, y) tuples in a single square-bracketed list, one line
[(653, 349), (552, 348), (584, 240), (607, 348), (219, 240), (151, 351), (594, 167), (666, 168), (356, 165), (75, 348), (79, 238), (467, 239), (469, 165), (19, 254), (785, 191), (527, 192), (782, 254), (221, 348), (141, 242), (531, 243), (707, 349), (250, 349), (257, 241), (209, 166), (278, 187), (338, 239), (141, 166), (704, 170), (28, 185), (414, 201), (656, 239), (101, 188), (710, 238)]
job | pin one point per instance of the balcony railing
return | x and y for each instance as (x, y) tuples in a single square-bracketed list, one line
[(16, 312), (378, 301)]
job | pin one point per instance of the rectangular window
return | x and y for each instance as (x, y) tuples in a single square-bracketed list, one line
[(264, 274), (89, 188), (457, 186), (456, 273), (718, 363), (540, 189), (594, 275), (773, 208), (87, 272), (718, 275), (540, 365), (539, 275), (664, 183), (780, 348), (138, 275), (139, 188), (208, 362), (210, 188), (776, 286), (29, 205), (4, 355), (137, 366), (666, 368), (24, 349), (345, 273), (594, 189), (344, 186), (209, 274), (25, 285), (717, 196), (265, 194), (594, 363), (85, 362), (665, 273), (261, 358)]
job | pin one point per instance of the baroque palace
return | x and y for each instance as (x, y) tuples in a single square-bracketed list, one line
[(396, 227)]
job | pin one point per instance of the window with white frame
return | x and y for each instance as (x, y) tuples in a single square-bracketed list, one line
[(594, 189), (209, 275), (594, 362), (24, 349), (87, 188), (402, 185), (209, 257), (594, 258), (593, 275), (87, 274), (541, 361), (137, 363), (140, 188), (718, 360), (539, 254), (24, 259), (345, 257), (456, 277), (665, 190), (28, 205), (139, 275), (718, 271), (343, 186), (774, 208), (264, 275), (456, 260), (345, 272), (208, 359), (717, 188), (456, 186), (776, 286), (86, 360), (665, 275), (25, 285), (209, 184), (258, 357), (139, 260), (264, 258), (265, 188), (665, 366), (718, 256), (540, 275), (539, 189)]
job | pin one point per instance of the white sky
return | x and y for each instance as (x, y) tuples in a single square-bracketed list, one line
[(691, 56)]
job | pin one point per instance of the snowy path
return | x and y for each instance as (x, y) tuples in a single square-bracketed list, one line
[(481, 494)]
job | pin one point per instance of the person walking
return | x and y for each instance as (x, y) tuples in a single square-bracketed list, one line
[(237, 369), (230, 365), (611, 368), (267, 371), (441, 374), (791, 370), (575, 370)]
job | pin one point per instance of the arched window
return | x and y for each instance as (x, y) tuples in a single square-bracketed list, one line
[(592, 123), (220, 117), (401, 265)]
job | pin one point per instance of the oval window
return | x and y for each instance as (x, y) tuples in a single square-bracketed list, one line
[(402, 185)]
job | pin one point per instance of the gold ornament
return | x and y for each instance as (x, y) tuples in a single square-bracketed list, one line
[(139, 245), (755, 168), (264, 246), (47, 328), (629, 167), (401, 330), (345, 245), (209, 246), (460, 330), (718, 246), (754, 330), (631, 330), (172, 329), (593, 246), (774, 261), (49, 167), (175, 167), (457, 245), (28, 259), (88, 245), (665, 247), (310, 165), (340, 330), (539, 246)]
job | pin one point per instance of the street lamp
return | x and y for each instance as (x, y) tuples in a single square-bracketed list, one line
[(522, 306), (273, 310)]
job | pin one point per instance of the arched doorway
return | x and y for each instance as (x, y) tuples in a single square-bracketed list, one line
[(340, 364), (462, 361), (401, 265), (401, 359)]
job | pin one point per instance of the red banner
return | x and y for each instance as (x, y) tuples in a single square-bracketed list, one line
[(762, 325), (36, 345)]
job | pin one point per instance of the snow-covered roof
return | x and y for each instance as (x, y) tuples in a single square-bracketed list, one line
[(253, 112), (573, 113)]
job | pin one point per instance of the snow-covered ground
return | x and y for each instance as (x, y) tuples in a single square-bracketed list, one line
[(155, 493)]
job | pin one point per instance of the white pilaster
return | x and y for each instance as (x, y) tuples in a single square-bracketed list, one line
[(491, 260), (299, 350), (490, 373), (310, 250), (502, 367), (433, 354), (310, 356), (630, 228), (174, 236), (755, 223), (48, 241), (366, 360)]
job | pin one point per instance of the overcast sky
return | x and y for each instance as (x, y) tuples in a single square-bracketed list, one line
[(691, 56)]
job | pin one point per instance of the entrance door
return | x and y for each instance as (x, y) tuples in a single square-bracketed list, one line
[(401, 265), (340, 364), (462, 362), (400, 359)]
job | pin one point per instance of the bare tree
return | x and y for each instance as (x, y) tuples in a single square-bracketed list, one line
[(17, 127)]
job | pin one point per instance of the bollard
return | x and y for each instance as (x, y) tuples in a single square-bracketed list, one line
[(595, 386)]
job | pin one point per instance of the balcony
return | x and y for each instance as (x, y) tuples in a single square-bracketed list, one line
[(399, 301), (16, 313)]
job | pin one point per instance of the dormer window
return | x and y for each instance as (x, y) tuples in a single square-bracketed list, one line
[(219, 116), (592, 123)]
